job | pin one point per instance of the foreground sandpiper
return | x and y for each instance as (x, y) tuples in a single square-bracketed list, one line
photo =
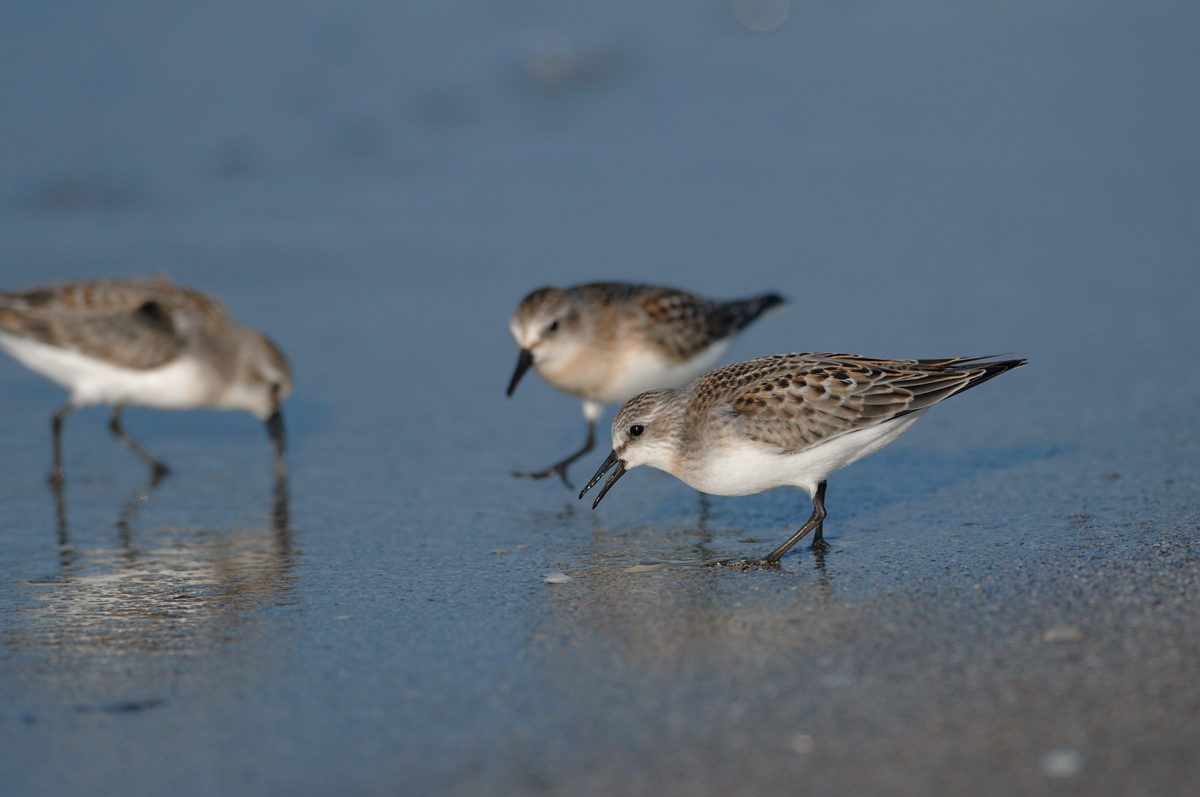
[(144, 342), (790, 420), (608, 341)]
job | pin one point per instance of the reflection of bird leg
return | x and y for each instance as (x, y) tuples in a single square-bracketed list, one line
[(130, 509), (280, 519), (56, 470), (278, 437), (157, 468), (65, 555), (279, 508), (706, 536), (823, 592)]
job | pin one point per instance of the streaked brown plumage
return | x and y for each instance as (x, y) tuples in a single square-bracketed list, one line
[(786, 420), (793, 401)]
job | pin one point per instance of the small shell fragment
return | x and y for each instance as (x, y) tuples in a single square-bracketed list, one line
[(1063, 633)]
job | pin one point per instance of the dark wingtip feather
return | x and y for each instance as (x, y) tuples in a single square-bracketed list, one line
[(991, 370), (938, 389), (738, 315), (762, 304), (769, 300)]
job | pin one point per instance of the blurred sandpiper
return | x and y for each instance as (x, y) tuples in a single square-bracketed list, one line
[(608, 341), (144, 342)]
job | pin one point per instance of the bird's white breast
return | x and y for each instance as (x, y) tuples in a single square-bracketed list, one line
[(740, 466), (639, 368), (616, 374), (180, 384)]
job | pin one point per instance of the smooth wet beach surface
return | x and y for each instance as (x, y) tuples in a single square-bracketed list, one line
[(1011, 602)]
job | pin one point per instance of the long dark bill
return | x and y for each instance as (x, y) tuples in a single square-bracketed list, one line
[(616, 474), (523, 362), (275, 430)]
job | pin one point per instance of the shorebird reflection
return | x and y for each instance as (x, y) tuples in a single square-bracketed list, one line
[(156, 590)]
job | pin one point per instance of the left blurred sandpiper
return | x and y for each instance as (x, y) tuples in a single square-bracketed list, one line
[(146, 343)]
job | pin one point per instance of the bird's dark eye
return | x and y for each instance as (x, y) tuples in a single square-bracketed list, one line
[(636, 430), (553, 327)]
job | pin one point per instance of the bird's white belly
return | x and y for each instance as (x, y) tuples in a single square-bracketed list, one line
[(645, 368), (180, 384), (744, 467)]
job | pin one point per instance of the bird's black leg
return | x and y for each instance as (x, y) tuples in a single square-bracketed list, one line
[(818, 542), (814, 522), (560, 468), (157, 468), (56, 470)]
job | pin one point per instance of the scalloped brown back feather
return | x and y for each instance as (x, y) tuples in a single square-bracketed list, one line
[(133, 323), (682, 324), (794, 401)]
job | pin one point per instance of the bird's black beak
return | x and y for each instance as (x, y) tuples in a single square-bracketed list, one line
[(523, 363), (275, 430), (616, 474)]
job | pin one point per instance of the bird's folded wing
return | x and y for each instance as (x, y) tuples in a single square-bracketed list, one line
[(676, 321), (129, 328), (793, 402)]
